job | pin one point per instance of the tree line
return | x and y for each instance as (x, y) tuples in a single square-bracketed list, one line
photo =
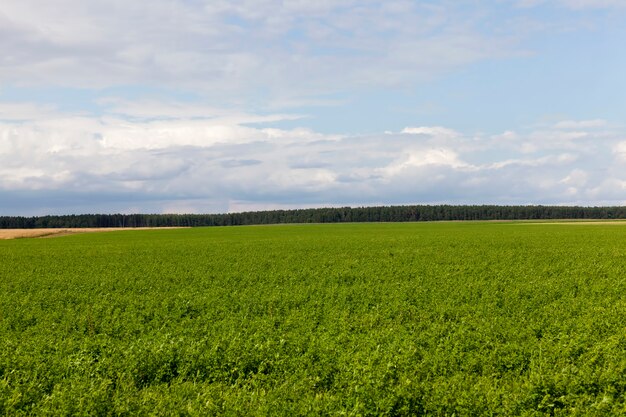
[(319, 215)]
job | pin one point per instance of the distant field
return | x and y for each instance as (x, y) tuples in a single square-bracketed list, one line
[(447, 318), (52, 232)]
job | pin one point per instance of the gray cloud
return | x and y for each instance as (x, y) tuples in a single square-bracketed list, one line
[(289, 48), (151, 155), (214, 164)]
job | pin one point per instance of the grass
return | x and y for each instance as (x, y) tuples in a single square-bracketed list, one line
[(349, 319)]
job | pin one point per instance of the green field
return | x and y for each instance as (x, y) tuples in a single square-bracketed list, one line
[(457, 319)]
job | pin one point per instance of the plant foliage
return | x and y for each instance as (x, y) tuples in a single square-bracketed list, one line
[(319, 215), (462, 319)]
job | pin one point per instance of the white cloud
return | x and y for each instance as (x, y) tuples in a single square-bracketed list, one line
[(593, 4), (424, 158), (291, 49), (619, 149), (158, 109), (430, 131), (576, 4), (581, 124), (573, 183), (551, 160), (207, 164), (25, 111)]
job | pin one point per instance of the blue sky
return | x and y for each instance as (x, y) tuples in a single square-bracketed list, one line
[(214, 106)]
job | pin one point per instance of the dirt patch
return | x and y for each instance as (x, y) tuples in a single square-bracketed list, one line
[(29, 233)]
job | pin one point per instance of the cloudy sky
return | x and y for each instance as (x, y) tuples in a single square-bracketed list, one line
[(215, 105)]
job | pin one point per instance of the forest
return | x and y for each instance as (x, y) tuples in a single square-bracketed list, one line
[(409, 213)]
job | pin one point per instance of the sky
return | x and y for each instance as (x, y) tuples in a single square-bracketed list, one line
[(194, 106)]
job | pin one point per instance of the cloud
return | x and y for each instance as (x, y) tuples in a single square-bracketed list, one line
[(114, 163), (26, 111), (424, 158), (289, 49), (581, 124), (188, 105), (619, 149), (152, 109), (576, 4), (430, 131)]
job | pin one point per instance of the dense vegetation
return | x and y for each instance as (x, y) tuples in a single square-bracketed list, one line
[(462, 319), (323, 215)]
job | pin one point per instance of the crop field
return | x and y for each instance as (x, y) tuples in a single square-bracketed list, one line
[(56, 232), (463, 319)]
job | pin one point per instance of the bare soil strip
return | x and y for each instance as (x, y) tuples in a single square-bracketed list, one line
[(29, 233)]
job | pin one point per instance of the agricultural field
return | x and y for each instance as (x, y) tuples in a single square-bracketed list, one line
[(463, 319), (56, 232)]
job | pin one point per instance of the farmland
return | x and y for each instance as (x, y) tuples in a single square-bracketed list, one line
[(345, 319), (56, 232)]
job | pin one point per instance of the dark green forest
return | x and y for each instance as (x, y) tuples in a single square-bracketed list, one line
[(320, 215)]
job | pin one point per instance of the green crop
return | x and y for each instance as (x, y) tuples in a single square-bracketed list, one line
[(442, 319)]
